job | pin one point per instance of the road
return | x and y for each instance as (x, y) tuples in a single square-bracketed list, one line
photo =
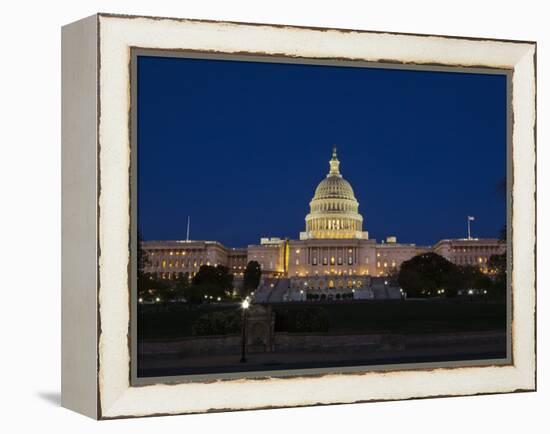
[(154, 365)]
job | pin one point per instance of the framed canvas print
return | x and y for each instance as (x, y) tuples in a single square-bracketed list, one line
[(261, 216)]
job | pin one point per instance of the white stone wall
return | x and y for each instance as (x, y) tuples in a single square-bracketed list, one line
[(270, 257)]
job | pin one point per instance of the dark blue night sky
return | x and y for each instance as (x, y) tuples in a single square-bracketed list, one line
[(241, 146)]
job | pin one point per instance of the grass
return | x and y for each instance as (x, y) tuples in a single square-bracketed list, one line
[(392, 316), (174, 320), (411, 316)]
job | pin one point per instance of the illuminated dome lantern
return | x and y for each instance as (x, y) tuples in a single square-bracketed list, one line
[(334, 209)]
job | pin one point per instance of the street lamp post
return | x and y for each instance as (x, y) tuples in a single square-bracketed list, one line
[(245, 305)]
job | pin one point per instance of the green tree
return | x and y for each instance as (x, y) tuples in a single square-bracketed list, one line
[(210, 281), (142, 256), (151, 286), (176, 289), (252, 275), (503, 234), (497, 268), (425, 274), (144, 280), (471, 277)]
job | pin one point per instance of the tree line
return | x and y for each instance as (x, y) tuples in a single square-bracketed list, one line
[(429, 275), (209, 284)]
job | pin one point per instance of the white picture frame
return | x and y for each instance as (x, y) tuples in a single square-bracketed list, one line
[(96, 308)]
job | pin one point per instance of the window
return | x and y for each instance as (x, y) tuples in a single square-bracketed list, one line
[(339, 260), (325, 261), (164, 263), (350, 260), (332, 260), (314, 261), (297, 262)]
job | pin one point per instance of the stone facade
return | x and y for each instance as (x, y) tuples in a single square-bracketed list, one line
[(168, 258), (270, 254), (470, 252)]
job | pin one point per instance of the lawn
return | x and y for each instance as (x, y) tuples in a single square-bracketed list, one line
[(411, 316), (393, 316)]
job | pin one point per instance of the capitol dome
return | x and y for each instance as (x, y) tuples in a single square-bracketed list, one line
[(334, 187), (334, 209)]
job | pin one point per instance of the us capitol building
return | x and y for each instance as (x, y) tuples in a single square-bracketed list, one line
[(333, 257)]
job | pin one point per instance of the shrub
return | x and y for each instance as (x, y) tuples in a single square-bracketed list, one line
[(302, 320), (217, 323)]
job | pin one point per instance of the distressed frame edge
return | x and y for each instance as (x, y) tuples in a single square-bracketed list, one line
[(304, 27), (529, 387), (79, 135)]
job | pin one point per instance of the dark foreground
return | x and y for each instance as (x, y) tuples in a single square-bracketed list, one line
[(354, 334)]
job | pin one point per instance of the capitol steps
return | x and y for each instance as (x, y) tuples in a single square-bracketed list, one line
[(279, 290)]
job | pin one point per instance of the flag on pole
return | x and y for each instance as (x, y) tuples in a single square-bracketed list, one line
[(470, 218)]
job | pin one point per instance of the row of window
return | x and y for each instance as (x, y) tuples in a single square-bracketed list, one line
[(174, 252), (470, 260), (385, 264), (475, 248), (339, 261), (315, 225), (332, 271), (192, 253), (333, 261), (176, 275), (332, 284)]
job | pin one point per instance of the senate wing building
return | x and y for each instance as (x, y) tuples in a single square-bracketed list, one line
[(332, 259)]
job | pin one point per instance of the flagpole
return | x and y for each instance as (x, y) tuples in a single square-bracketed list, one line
[(469, 236), (188, 221)]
